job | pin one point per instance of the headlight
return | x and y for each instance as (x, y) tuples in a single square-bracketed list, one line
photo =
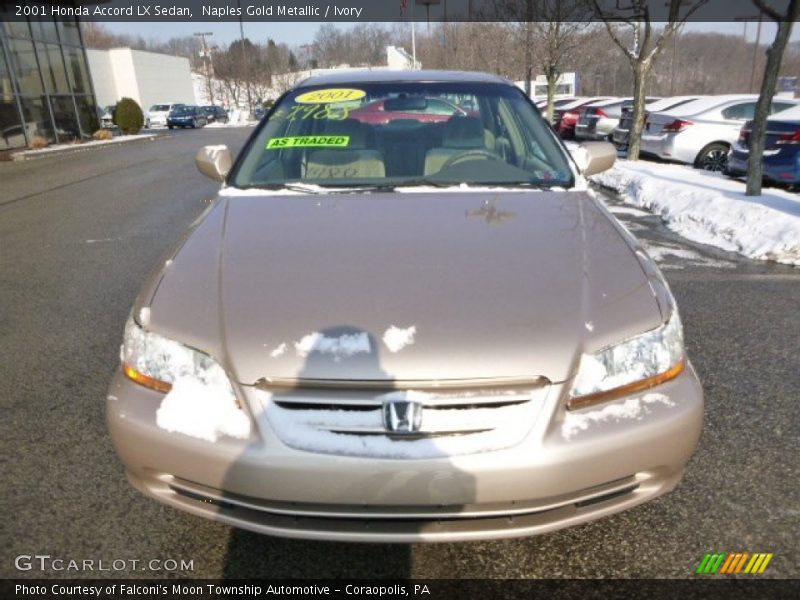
[(636, 364), (157, 362)]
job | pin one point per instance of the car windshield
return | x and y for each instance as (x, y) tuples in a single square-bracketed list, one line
[(159, 107), (182, 110), (401, 134)]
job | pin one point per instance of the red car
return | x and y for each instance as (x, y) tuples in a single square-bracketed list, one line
[(424, 110), (566, 117)]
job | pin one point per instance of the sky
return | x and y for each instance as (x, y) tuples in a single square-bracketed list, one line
[(297, 33)]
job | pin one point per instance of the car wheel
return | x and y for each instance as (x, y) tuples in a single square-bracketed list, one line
[(147, 124), (193, 124), (170, 126), (713, 157)]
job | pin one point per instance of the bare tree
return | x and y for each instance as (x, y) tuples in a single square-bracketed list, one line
[(785, 21), (558, 26), (646, 46)]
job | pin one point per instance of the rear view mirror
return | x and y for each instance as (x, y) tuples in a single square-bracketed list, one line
[(405, 103), (214, 162), (599, 157)]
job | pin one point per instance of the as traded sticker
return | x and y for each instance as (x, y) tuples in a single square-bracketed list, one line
[(309, 141)]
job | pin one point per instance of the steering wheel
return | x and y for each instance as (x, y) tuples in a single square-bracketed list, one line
[(468, 154)]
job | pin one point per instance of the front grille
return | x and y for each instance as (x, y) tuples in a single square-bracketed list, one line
[(353, 422)]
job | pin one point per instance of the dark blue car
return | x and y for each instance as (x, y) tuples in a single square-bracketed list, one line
[(186, 116), (781, 150)]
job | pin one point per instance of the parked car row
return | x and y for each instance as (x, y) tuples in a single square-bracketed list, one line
[(184, 115), (698, 130)]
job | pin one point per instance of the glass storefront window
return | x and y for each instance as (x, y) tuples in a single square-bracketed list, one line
[(24, 66), (11, 132), (45, 84), (87, 114), (78, 72), (53, 71), (44, 31), (65, 118), (36, 118), (16, 28), (5, 75), (69, 32)]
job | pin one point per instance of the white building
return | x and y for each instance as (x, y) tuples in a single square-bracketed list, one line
[(147, 77), (566, 86)]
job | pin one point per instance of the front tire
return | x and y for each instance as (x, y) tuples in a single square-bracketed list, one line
[(713, 157), (170, 126)]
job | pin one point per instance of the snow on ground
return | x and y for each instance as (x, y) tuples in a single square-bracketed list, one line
[(709, 208), (83, 145), (670, 256)]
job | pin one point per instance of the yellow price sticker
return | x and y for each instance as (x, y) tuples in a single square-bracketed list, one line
[(330, 95)]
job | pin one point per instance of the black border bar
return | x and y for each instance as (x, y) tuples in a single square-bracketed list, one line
[(375, 10)]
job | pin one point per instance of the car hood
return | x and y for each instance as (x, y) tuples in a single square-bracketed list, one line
[(403, 286)]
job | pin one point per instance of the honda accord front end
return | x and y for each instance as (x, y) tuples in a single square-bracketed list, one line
[(412, 331)]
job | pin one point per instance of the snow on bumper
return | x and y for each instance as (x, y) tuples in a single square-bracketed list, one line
[(552, 479)]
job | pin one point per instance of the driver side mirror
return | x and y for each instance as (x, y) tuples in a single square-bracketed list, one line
[(214, 162), (598, 157)]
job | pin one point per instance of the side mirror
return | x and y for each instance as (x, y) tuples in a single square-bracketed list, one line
[(214, 162), (600, 156)]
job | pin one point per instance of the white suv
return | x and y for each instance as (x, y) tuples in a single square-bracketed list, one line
[(702, 132), (157, 115)]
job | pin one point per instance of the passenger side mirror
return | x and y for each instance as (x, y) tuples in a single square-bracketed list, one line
[(214, 162), (599, 157)]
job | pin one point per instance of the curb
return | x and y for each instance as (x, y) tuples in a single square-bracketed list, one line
[(24, 155)]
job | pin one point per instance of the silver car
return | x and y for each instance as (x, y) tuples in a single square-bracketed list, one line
[(702, 132), (421, 330)]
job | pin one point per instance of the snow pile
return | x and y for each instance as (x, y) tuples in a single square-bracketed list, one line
[(396, 338), (711, 209), (633, 408), (202, 411), (340, 347)]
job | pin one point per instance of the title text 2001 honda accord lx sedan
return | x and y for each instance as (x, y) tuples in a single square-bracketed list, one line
[(423, 329)]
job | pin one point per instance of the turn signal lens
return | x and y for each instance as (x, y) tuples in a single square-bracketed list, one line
[(141, 379)]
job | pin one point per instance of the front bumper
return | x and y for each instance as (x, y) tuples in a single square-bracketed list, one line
[(560, 475)]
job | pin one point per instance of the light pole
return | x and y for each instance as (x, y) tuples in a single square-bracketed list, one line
[(755, 48), (207, 63)]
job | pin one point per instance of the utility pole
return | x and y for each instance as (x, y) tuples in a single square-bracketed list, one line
[(245, 59), (207, 63), (758, 18)]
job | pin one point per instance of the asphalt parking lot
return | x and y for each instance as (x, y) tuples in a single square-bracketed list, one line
[(79, 233)]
